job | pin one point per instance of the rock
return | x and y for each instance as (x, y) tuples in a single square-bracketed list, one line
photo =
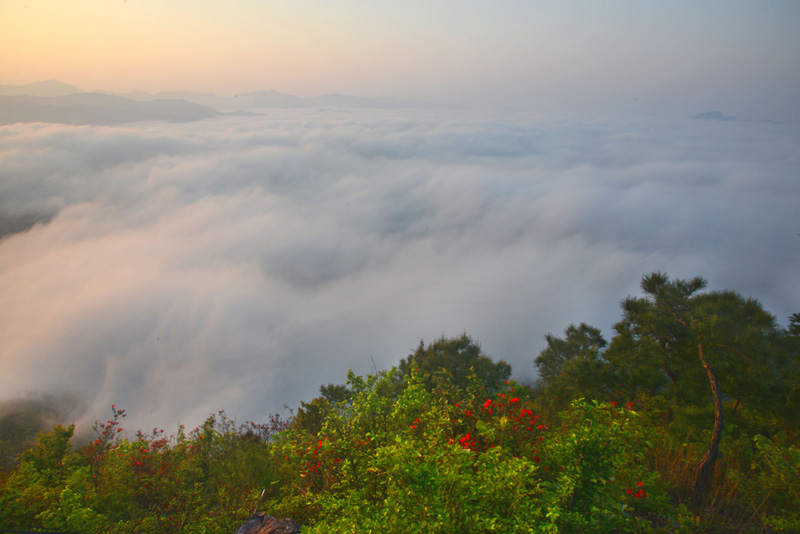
[(261, 523)]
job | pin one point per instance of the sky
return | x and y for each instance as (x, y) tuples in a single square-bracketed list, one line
[(677, 58), (239, 262)]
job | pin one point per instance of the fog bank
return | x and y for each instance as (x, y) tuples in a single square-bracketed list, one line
[(238, 263)]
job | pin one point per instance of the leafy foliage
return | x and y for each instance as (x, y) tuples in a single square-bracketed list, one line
[(446, 443), (460, 361), (430, 463), (573, 366)]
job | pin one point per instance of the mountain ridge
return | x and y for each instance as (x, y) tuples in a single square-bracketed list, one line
[(259, 99)]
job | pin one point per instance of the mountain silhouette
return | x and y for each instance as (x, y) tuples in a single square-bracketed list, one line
[(714, 116)]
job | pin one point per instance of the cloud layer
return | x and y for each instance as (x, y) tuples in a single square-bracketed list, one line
[(238, 263)]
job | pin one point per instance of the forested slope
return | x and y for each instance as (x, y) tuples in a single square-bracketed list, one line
[(685, 421)]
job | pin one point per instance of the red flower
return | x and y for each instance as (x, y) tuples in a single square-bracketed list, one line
[(487, 404)]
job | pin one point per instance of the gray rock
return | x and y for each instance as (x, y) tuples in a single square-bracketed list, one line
[(261, 523)]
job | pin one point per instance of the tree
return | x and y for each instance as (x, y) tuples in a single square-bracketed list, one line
[(460, 359), (635, 365), (574, 366), (787, 372), (794, 324), (720, 335)]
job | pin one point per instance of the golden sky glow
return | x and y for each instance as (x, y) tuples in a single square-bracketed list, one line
[(439, 49)]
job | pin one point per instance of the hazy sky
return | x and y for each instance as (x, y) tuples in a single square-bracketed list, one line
[(680, 57)]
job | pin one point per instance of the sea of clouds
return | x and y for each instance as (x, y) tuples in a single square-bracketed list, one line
[(237, 263)]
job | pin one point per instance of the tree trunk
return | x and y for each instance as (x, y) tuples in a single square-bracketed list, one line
[(716, 437), (673, 376)]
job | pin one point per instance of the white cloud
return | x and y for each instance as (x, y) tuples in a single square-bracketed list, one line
[(239, 263)]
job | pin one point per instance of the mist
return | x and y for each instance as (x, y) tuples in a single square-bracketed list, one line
[(238, 263)]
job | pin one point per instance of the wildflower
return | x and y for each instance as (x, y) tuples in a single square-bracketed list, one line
[(487, 404)]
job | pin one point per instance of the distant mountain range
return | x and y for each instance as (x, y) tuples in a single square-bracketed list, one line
[(714, 116), (719, 116), (54, 101), (48, 88), (275, 99), (97, 108)]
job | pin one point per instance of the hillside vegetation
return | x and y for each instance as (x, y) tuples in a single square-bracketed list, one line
[(686, 421)]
